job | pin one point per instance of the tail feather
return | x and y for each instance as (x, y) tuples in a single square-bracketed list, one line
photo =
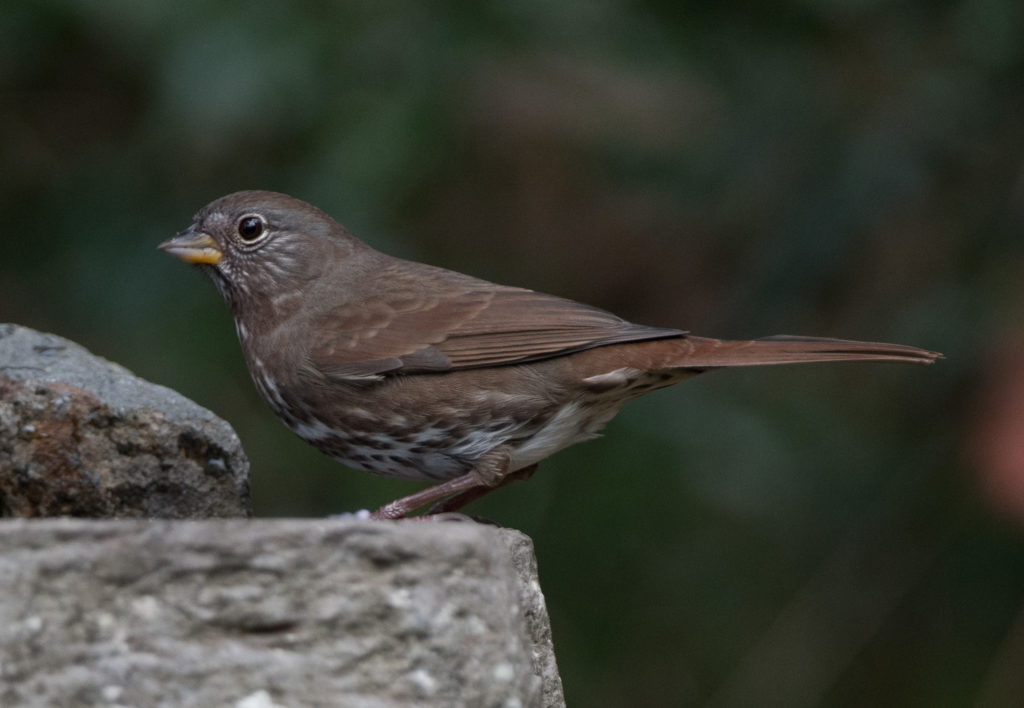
[(704, 353)]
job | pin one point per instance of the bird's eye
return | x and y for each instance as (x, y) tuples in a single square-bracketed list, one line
[(251, 227)]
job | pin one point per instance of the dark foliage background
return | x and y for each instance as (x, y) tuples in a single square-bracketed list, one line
[(842, 536)]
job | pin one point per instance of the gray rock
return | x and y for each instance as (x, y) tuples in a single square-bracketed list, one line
[(256, 614), (81, 436)]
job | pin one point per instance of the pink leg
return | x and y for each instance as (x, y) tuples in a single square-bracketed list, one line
[(490, 473), (457, 501)]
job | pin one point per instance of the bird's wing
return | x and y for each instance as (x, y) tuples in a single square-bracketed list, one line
[(417, 331)]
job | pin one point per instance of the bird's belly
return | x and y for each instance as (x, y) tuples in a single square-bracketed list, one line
[(379, 430), (437, 452), (573, 423), (422, 454)]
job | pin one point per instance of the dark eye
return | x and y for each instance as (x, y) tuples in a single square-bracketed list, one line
[(251, 227)]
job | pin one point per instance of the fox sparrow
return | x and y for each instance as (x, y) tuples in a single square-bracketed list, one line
[(421, 373)]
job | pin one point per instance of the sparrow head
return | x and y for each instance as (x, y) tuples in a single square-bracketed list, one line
[(259, 247)]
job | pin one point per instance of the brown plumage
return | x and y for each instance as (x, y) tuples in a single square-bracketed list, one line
[(412, 371)]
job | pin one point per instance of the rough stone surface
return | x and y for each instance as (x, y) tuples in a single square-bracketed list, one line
[(81, 436), (535, 615), (271, 613)]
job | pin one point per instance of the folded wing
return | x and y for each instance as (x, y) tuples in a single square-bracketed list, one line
[(416, 332)]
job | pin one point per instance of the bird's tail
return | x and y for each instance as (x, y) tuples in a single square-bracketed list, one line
[(705, 353)]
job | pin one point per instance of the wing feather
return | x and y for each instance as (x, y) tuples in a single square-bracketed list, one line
[(481, 325)]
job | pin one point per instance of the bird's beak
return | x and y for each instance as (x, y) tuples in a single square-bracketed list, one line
[(193, 247)]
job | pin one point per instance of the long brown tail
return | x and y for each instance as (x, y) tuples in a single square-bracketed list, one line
[(701, 352)]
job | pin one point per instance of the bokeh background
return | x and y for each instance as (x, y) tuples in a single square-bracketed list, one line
[(830, 535)]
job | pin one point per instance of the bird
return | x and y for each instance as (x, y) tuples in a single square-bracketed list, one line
[(417, 372)]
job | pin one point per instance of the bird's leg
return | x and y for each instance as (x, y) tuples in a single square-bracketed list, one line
[(491, 472), (457, 501), (400, 508)]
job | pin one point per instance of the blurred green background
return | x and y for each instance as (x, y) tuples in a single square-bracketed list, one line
[(829, 535)]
